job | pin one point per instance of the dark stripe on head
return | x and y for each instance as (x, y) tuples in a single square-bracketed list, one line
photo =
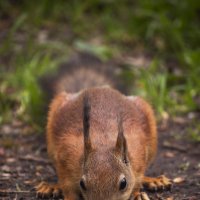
[(86, 126), (86, 116)]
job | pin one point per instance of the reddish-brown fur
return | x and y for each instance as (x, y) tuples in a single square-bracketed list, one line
[(66, 143)]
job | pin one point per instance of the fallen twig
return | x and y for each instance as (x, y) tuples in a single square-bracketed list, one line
[(14, 192), (35, 159), (174, 147)]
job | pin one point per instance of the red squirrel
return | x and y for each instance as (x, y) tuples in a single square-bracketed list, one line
[(101, 143)]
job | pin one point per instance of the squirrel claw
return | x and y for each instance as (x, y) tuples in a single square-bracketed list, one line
[(142, 196), (44, 190)]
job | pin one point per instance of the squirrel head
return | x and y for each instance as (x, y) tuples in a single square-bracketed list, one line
[(106, 173)]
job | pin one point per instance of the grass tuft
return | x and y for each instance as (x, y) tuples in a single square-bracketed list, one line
[(37, 35)]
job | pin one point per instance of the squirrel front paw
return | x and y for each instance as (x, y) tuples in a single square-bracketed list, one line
[(45, 190), (158, 183)]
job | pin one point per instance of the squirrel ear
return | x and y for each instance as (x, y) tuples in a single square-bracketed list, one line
[(121, 145), (86, 125)]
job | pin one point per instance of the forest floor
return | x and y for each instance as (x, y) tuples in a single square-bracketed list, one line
[(24, 162)]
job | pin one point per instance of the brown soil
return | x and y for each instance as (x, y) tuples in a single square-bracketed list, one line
[(24, 163)]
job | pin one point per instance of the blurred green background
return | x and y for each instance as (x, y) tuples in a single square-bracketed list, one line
[(158, 42)]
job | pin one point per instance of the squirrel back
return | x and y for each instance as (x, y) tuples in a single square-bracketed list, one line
[(101, 142)]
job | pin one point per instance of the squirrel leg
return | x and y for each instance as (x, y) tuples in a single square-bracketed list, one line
[(45, 190), (70, 196), (157, 183)]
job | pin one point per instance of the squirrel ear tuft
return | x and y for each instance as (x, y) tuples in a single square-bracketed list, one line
[(121, 145), (86, 125)]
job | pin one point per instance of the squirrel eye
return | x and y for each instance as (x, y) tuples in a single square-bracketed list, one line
[(82, 185), (122, 184)]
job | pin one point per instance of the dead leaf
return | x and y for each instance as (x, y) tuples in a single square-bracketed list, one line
[(17, 123), (2, 152), (169, 154), (39, 168), (180, 120), (5, 174), (170, 198), (38, 174), (18, 188), (6, 129), (138, 61), (29, 182), (184, 166), (178, 180), (5, 168), (10, 160), (192, 115)]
